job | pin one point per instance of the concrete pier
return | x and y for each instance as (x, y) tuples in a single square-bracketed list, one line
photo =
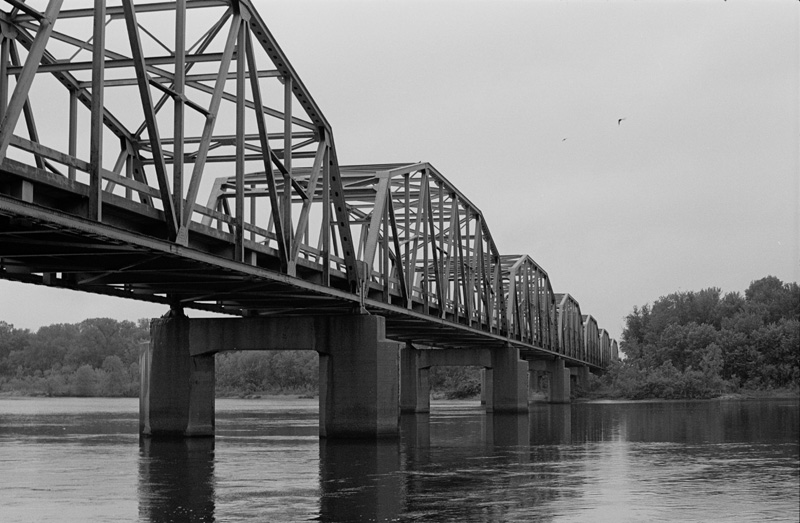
[(361, 390), (536, 371), (559, 381), (509, 381), (358, 371), (415, 389), (176, 397), (504, 385), (583, 377), (358, 387), (487, 388)]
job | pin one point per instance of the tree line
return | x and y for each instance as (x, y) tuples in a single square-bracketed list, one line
[(96, 357), (100, 357), (685, 345), (703, 344)]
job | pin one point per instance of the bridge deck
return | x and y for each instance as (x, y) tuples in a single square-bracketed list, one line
[(47, 247)]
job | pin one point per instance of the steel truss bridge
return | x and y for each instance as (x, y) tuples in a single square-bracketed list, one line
[(168, 152)]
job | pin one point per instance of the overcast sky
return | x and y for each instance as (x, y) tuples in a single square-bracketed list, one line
[(519, 105)]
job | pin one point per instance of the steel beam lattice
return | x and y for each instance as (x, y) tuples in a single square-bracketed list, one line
[(168, 151)]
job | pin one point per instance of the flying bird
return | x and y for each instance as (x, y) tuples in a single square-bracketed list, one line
[(620, 121)]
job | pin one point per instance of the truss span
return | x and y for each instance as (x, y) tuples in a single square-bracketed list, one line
[(168, 151)]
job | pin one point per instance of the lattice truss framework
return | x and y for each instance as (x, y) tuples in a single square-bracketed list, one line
[(183, 92), (420, 243), (570, 326), (192, 117)]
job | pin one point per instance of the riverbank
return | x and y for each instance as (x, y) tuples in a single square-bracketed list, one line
[(593, 396), (781, 393)]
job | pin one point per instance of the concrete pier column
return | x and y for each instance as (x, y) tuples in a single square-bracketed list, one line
[(573, 378), (487, 388), (536, 368), (509, 381), (559, 381), (358, 396), (176, 397), (583, 377), (415, 389)]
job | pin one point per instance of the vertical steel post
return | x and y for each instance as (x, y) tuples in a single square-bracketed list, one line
[(5, 44), (179, 86), (96, 127), (288, 226), (326, 214), (73, 131), (240, 138)]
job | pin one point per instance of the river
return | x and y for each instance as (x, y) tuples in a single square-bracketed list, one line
[(70, 459)]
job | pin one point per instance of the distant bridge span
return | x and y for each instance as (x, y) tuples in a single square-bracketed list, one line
[(168, 152)]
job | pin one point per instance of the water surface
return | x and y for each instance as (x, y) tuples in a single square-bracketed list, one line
[(82, 460)]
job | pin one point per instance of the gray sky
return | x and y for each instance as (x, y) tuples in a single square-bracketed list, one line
[(517, 103)]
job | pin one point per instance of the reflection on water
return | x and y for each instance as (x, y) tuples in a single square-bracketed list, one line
[(176, 479), (78, 460), (360, 480)]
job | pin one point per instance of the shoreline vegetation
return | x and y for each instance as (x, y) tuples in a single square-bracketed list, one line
[(686, 345)]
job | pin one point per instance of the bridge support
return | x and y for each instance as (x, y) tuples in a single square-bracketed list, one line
[(176, 397), (509, 381), (415, 364), (358, 375), (358, 386), (487, 387), (536, 370), (504, 386), (559, 381), (583, 377), (415, 388)]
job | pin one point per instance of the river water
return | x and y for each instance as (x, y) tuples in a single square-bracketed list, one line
[(81, 460)]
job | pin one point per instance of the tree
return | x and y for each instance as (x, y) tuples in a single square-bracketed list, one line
[(101, 337), (84, 381), (11, 340), (693, 344), (47, 347), (115, 381), (779, 300)]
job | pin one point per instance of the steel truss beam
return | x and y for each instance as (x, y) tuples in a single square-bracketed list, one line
[(184, 123)]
